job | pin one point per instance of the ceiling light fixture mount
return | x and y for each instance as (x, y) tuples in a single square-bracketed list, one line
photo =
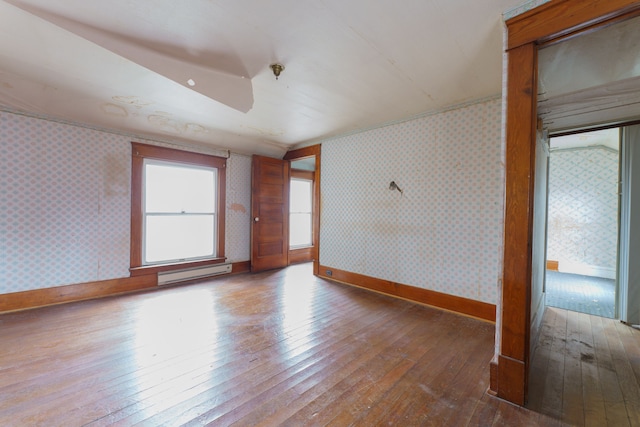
[(277, 69)]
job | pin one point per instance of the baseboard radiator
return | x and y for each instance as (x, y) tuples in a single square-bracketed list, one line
[(170, 277)]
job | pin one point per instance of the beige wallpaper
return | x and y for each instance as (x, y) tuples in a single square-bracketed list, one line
[(65, 204), (445, 231), (583, 210)]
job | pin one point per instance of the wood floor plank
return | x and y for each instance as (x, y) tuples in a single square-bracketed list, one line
[(552, 393), (572, 398), (360, 386), (455, 403), (593, 400), (170, 364), (409, 398), (260, 368), (326, 382), (395, 406), (624, 372), (287, 348), (615, 410), (463, 393), (511, 415), (595, 349), (484, 412), (540, 361), (265, 387), (630, 338), (379, 392), (286, 389)]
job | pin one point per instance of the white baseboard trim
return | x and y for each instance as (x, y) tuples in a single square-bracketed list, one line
[(586, 270)]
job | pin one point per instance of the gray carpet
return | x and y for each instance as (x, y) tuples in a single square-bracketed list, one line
[(591, 295)]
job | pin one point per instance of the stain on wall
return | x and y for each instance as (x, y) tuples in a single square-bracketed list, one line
[(445, 231), (65, 204), (237, 207), (116, 176), (238, 223), (57, 224)]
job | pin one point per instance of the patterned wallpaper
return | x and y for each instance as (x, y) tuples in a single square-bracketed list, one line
[(445, 231), (238, 219), (65, 204), (583, 207)]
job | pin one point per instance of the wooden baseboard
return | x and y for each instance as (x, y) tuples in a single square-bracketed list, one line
[(240, 267), (493, 378), (511, 384), (297, 256), (76, 292), (469, 307), (90, 290), (553, 265)]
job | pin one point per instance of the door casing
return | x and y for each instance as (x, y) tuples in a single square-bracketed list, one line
[(549, 22)]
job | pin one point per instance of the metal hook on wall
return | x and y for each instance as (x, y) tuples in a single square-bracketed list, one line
[(394, 186)]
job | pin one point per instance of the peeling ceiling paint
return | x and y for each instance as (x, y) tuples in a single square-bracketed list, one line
[(349, 65)]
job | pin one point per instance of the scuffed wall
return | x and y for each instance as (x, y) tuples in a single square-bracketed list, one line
[(445, 231), (65, 204)]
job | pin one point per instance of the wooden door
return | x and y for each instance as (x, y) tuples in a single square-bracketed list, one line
[(269, 213)]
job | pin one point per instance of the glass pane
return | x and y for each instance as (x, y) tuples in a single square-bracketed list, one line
[(177, 237), (173, 189), (305, 164), (300, 229), (300, 196)]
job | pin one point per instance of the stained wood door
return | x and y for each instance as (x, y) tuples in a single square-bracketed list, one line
[(269, 213)]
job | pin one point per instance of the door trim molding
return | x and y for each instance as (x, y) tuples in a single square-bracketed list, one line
[(313, 150), (553, 20)]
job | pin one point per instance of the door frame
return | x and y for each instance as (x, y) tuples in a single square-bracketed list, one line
[(550, 22), (301, 153)]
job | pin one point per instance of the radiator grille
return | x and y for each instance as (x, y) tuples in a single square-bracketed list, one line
[(169, 277)]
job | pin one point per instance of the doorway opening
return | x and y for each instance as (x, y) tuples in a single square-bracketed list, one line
[(583, 222), (301, 210), (304, 209)]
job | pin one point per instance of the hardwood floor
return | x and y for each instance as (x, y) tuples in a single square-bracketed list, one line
[(275, 348), (586, 370)]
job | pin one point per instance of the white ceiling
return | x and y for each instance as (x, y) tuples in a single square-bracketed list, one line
[(609, 138), (350, 65)]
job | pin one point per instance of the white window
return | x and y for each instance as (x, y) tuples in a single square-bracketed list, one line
[(300, 213), (177, 209), (179, 212)]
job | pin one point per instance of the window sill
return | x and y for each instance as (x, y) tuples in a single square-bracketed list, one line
[(157, 268), (293, 248)]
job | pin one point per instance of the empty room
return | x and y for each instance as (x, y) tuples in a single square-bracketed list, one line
[(314, 213)]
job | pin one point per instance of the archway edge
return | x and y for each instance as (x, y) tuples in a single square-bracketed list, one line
[(552, 20)]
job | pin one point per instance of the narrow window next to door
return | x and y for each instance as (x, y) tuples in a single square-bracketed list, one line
[(300, 213)]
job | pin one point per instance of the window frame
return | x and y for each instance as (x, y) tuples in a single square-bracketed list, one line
[(139, 153)]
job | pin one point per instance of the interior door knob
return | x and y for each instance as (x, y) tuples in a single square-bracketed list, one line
[(256, 219)]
